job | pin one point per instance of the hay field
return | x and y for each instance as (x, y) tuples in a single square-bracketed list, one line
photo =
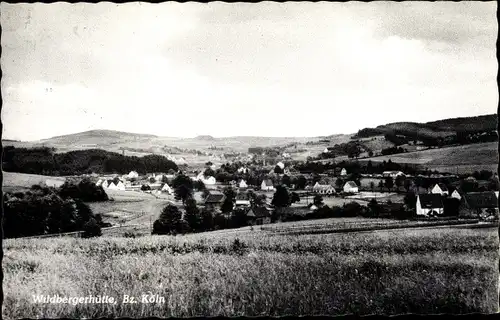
[(250, 273), (12, 180)]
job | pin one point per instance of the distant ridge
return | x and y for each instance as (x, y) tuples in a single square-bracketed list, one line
[(102, 132)]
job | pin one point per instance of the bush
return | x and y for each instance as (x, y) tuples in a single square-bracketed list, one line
[(91, 229)]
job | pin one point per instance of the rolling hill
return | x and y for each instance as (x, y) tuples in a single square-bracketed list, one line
[(440, 128)]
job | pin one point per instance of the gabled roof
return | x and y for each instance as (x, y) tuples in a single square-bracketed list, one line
[(442, 186), (258, 212), (479, 200), (268, 182), (214, 197), (351, 184), (430, 201)]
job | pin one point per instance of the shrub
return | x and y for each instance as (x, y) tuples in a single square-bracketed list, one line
[(91, 229)]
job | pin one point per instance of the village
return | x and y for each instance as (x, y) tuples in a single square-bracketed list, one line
[(253, 187)]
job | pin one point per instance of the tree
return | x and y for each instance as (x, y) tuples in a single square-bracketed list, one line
[(199, 185), (238, 218), (278, 170), (91, 229), (318, 200), (389, 183), (145, 187), (407, 184), (301, 182), (374, 208), (228, 204), (294, 197), (410, 201), (339, 183), (280, 198), (451, 207), (192, 216), (209, 172), (207, 219), (381, 185), (372, 186), (286, 180), (170, 221), (183, 187), (370, 153), (399, 181)]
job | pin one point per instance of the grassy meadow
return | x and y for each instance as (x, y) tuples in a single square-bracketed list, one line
[(471, 155), (447, 270)]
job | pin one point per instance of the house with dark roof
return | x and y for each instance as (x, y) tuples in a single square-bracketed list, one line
[(242, 200), (480, 204), (214, 199), (440, 188), (430, 204), (259, 215)]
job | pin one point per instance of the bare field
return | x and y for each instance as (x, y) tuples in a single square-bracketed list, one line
[(441, 271)]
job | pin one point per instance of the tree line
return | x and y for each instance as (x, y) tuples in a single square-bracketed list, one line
[(46, 161), (45, 210)]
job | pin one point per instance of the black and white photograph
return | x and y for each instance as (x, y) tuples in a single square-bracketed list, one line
[(249, 159)]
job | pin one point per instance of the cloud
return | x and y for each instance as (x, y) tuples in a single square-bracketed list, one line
[(232, 69)]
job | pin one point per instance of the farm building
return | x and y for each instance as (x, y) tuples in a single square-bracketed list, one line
[(455, 194), (116, 186), (440, 188), (267, 185), (242, 184), (242, 200), (214, 199), (351, 187), (429, 204), (281, 165), (392, 174), (323, 187), (481, 204), (259, 215), (343, 172)]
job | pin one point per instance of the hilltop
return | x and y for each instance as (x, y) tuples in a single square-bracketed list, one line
[(434, 129)]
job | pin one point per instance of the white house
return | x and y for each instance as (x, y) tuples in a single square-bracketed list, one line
[(243, 184), (209, 181), (267, 185), (440, 188), (133, 175), (430, 204), (323, 187), (351, 187), (99, 182), (166, 188), (455, 194), (343, 172), (155, 186), (281, 165), (158, 177)]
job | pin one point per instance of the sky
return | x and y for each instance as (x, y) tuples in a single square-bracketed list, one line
[(243, 69)]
